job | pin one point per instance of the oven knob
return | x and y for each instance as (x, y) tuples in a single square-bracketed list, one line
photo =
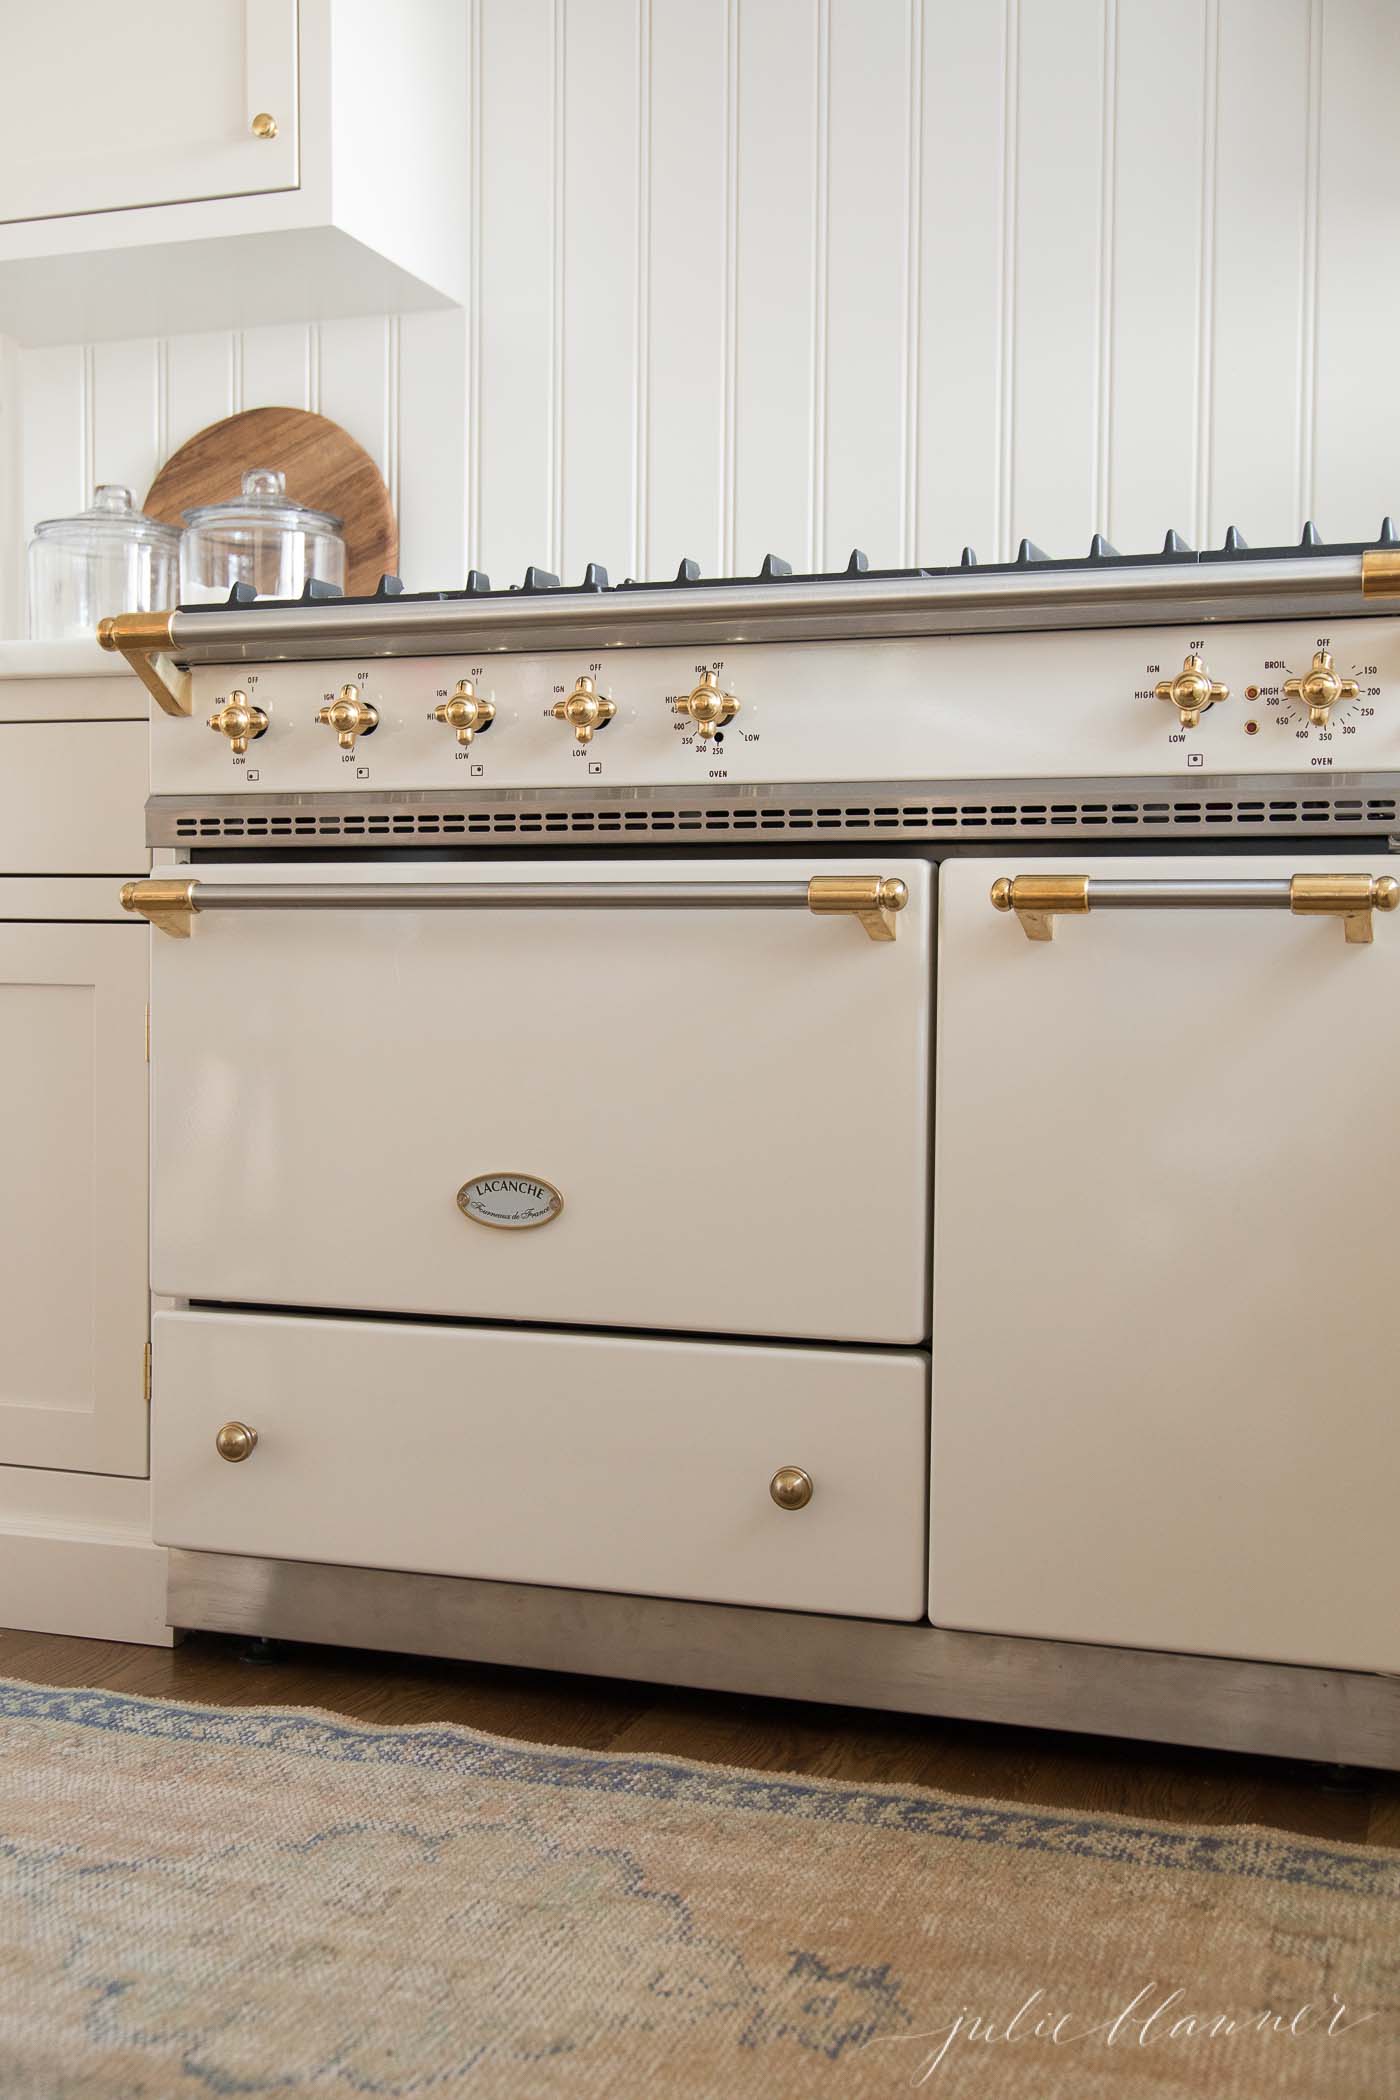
[(239, 721), (464, 712), (1320, 689), (585, 710), (1192, 691), (349, 715), (709, 709)]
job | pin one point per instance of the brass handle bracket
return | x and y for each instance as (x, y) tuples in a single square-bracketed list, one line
[(144, 640), (1380, 573), (873, 899), (1036, 899), (166, 903), (1351, 898)]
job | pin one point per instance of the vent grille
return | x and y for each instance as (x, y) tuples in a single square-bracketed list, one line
[(1156, 814)]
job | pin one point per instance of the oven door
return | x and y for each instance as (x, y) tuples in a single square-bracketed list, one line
[(648, 1095), (1166, 1304)]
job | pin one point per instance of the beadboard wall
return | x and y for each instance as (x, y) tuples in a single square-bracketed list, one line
[(801, 274)]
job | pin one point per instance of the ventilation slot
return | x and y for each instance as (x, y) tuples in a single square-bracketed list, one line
[(1154, 814)]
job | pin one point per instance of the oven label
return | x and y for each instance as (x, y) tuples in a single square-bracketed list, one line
[(514, 1201)]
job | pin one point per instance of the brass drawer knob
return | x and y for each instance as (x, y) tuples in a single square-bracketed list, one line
[(791, 1488), (235, 1442)]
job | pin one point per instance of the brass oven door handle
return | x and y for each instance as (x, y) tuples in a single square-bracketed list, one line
[(170, 903), (1038, 900)]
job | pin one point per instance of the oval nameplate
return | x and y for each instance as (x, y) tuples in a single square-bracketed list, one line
[(511, 1201)]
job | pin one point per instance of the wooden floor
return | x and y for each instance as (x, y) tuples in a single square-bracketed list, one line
[(1009, 1764)]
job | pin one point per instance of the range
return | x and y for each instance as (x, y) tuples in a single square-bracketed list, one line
[(814, 1134)]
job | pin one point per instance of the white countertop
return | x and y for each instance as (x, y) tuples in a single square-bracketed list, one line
[(84, 659)]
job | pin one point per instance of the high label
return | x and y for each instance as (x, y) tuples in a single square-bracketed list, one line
[(514, 1201)]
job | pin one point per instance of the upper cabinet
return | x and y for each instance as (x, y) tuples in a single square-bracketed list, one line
[(167, 167)]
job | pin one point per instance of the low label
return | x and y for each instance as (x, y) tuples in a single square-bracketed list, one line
[(513, 1201)]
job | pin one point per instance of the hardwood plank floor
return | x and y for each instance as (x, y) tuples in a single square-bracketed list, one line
[(1009, 1764)]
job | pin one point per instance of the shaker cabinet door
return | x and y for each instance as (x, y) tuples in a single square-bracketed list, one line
[(1166, 1313), (73, 1299), (147, 103)]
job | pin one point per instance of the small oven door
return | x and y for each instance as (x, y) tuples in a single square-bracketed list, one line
[(704, 1109), (1166, 1295)]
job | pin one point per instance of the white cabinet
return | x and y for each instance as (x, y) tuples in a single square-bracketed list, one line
[(148, 103), (1165, 1312), (168, 168), (73, 1303)]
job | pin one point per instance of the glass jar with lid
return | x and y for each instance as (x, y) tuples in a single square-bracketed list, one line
[(110, 559), (263, 538)]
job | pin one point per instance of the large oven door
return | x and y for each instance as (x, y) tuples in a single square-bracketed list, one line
[(1166, 1298), (663, 1098)]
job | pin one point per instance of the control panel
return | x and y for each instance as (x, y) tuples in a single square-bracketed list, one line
[(1294, 699)]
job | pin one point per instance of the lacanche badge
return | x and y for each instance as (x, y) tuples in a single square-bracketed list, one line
[(513, 1201)]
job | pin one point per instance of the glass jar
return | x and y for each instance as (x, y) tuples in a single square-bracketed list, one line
[(260, 538), (110, 559)]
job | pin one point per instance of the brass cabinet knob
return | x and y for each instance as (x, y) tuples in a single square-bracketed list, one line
[(349, 715), (1320, 689), (264, 126), (585, 710), (709, 709), (239, 721), (1192, 691), (235, 1442), (791, 1488), (464, 712)]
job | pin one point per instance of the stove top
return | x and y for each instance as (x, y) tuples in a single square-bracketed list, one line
[(538, 582)]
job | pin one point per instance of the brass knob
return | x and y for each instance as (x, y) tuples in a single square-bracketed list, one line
[(239, 721), (585, 710), (1192, 691), (709, 709), (791, 1488), (1320, 689), (264, 126), (235, 1442), (349, 715), (464, 712)]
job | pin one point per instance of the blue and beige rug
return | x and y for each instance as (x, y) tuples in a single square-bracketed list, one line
[(201, 1902)]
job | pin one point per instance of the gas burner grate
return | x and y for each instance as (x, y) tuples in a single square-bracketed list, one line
[(974, 809)]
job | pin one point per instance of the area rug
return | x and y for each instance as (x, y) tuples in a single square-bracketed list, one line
[(198, 1901)]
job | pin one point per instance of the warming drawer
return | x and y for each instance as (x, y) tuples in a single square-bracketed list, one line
[(659, 1467), (650, 1095)]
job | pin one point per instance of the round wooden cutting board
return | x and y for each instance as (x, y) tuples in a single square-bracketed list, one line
[(325, 469)]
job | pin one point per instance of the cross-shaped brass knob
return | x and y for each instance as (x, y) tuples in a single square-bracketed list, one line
[(585, 710), (709, 709), (1320, 689), (1192, 691), (239, 721), (349, 715), (464, 712)]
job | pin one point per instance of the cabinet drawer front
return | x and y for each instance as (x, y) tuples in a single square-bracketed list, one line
[(731, 1103), (588, 1462), (73, 798)]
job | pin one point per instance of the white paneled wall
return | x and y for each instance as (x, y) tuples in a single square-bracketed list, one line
[(800, 274)]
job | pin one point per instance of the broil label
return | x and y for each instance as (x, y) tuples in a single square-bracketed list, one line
[(513, 1201)]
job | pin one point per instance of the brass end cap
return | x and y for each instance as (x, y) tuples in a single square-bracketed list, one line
[(1385, 893), (1001, 893), (107, 632), (893, 893), (128, 896)]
